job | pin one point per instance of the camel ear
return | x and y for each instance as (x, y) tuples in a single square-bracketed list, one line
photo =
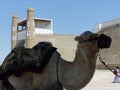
[(77, 38)]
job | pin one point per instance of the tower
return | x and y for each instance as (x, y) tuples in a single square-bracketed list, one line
[(30, 32), (25, 32), (14, 31)]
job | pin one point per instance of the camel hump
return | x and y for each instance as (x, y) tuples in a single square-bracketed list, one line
[(24, 59), (44, 44)]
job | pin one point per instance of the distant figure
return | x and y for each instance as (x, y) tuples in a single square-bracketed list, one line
[(117, 75)]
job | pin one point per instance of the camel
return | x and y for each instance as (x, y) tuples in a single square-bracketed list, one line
[(59, 73)]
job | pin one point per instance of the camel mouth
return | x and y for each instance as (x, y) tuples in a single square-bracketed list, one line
[(104, 41)]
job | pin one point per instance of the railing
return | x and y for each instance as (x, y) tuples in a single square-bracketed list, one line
[(43, 31)]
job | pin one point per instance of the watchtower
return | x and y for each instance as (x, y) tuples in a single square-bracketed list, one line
[(25, 31)]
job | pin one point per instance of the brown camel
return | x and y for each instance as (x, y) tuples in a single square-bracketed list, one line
[(59, 73)]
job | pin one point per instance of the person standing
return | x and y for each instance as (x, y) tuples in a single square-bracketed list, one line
[(117, 75)]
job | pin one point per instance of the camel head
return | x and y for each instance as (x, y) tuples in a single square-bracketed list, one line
[(93, 40)]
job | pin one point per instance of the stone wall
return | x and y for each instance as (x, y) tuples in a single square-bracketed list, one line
[(66, 45)]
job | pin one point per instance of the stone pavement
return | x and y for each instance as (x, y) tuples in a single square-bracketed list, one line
[(102, 80)]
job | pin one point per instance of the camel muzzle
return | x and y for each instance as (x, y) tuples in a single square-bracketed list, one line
[(104, 41)]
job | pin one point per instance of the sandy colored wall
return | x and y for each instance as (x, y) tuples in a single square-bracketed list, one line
[(66, 45)]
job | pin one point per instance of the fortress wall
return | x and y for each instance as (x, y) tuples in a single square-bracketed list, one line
[(66, 45)]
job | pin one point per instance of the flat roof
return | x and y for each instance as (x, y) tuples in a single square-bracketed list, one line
[(24, 21)]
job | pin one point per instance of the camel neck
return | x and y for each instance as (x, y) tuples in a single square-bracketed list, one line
[(83, 65)]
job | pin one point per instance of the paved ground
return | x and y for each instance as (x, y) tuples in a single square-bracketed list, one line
[(102, 80)]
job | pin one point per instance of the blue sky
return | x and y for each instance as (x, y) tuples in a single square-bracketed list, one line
[(69, 16)]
